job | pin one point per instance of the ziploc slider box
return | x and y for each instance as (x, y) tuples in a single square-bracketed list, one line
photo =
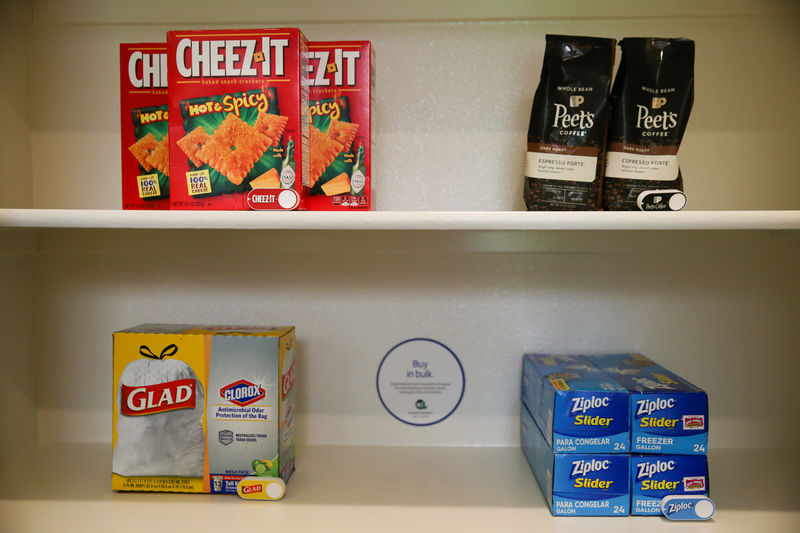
[(342, 89), (654, 477), (198, 408), (667, 413), (238, 118), (577, 484), (143, 120), (578, 408)]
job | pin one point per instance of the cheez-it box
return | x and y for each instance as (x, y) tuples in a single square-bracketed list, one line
[(238, 103), (340, 137), (143, 119)]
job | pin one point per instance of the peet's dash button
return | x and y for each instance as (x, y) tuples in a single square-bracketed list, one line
[(687, 507), (261, 488), (661, 200)]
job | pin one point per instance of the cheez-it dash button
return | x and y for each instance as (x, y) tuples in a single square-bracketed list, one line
[(261, 488)]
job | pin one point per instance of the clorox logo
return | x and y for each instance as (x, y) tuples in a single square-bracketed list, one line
[(242, 393)]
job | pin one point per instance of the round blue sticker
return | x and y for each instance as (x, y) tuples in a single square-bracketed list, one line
[(420, 381)]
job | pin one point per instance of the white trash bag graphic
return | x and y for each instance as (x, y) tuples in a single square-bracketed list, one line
[(159, 418)]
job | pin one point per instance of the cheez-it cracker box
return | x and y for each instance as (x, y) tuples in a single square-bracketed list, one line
[(340, 137), (145, 144), (238, 103)]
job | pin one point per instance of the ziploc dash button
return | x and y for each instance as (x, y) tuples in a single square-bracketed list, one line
[(682, 507), (261, 488)]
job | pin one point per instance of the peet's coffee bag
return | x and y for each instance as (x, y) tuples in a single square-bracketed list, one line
[(650, 105), (566, 135)]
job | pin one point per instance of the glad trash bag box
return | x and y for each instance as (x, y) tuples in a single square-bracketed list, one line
[(199, 408)]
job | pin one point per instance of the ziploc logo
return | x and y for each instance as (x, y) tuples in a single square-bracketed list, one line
[(583, 467), (242, 393), (583, 404), (648, 407), (647, 470)]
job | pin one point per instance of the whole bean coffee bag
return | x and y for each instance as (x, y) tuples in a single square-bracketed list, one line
[(650, 105), (566, 135)]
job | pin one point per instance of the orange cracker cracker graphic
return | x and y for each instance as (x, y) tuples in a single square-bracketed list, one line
[(192, 142), (343, 132), (234, 148), (159, 156), (271, 126), (141, 150), (323, 151)]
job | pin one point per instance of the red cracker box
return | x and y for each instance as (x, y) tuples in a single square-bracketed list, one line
[(340, 104), (143, 118), (238, 103)]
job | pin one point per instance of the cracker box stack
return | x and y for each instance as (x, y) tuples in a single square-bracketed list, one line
[(145, 143), (238, 103), (575, 435), (202, 408), (669, 430), (340, 104)]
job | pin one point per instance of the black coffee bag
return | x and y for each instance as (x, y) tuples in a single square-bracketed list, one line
[(566, 135), (650, 105)]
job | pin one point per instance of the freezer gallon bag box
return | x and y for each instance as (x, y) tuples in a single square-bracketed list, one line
[(578, 408), (654, 477), (342, 86), (238, 103), (143, 117), (577, 484), (667, 413), (199, 408)]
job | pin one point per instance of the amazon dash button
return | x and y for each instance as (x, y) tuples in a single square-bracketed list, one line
[(271, 199)]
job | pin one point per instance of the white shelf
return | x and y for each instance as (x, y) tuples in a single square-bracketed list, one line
[(354, 488), (401, 220)]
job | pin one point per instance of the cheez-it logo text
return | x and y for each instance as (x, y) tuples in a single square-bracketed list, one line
[(147, 70), (231, 57), (339, 70)]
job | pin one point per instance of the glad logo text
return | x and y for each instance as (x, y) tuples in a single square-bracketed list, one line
[(158, 398)]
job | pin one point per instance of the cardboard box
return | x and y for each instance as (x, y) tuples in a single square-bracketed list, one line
[(238, 118), (668, 414), (578, 408), (200, 408), (653, 477), (143, 120), (577, 484), (342, 89)]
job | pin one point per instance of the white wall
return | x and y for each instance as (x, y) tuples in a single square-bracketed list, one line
[(16, 185)]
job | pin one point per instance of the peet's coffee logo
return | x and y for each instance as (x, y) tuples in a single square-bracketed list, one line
[(337, 69), (655, 121), (147, 71), (563, 119), (231, 58)]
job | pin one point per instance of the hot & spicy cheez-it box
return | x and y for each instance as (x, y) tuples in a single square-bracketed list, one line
[(340, 135), (145, 144), (238, 105)]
